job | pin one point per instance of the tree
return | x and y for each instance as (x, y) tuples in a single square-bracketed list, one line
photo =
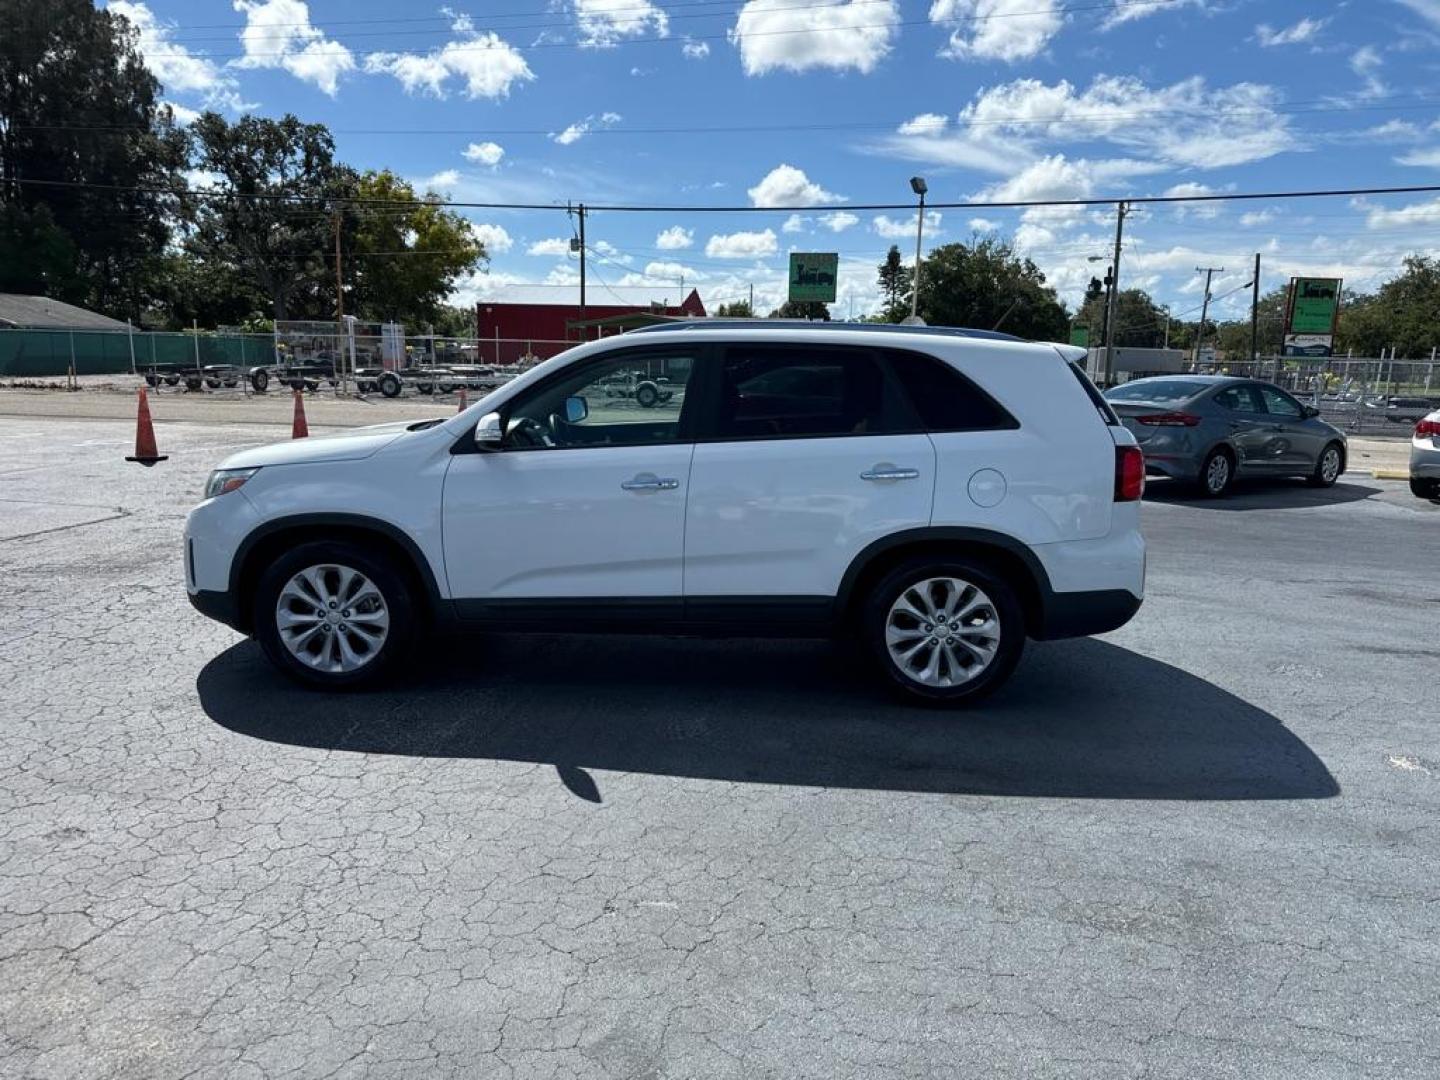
[(408, 252), (987, 286), (451, 320), (278, 231), (737, 309), (895, 284), (1138, 322), (802, 309), (86, 152), (1403, 315)]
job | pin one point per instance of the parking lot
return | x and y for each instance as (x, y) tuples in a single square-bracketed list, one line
[(1204, 845)]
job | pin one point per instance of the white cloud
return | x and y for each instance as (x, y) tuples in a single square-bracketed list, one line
[(741, 245), (1428, 159), (1426, 9), (278, 34), (774, 35), (496, 240), (980, 224), (603, 23), (1204, 210), (795, 223), (179, 70), (1366, 63), (1186, 123), (675, 238), (442, 181), (1417, 214), (924, 124), (672, 271), (486, 63), (892, 229), (838, 220), (1303, 31), (578, 130), (695, 50), (1129, 12), (1257, 217), (555, 245), (786, 185), (1007, 30), (183, 115), (485, 153)]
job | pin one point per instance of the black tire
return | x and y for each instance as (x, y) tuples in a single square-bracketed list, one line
[(425, 387), (172, 380), (1215, 482), (152, 380), (194, 383), (1327, 471), (1425, 488), (1000, 605), (389, 384), (389, 581), (297, 384), (213, 384), (647, 395), (259, 381)]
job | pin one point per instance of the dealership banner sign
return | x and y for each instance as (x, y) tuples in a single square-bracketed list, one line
[(1312, 316), (813, 275)]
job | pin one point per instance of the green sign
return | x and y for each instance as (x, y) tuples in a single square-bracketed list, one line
[(813, 276), (1080, 335), (1314, 305)]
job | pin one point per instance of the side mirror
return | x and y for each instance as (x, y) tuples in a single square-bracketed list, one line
[(1311, 412), (489, 432), (576, 409)]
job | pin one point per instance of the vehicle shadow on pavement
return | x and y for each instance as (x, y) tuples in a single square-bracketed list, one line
[(1260, 494), (1083, 719)]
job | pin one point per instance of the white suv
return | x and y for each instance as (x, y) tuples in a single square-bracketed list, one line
[(942, 494)]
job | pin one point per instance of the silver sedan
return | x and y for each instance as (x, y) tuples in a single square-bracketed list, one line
[(1425, 457), (1211, 429)]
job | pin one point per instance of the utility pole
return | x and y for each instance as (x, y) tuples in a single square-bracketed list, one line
[(1255, 320), (1114, 299), (752, 299), (579, 245), (1209, 272), (339, 305)]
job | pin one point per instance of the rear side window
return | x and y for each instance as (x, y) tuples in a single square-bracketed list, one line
[(1244, 399), (787, 392), (1093, 393), (1157, 391), (944, 399)]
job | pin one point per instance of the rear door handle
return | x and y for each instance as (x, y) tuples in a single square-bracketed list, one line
[(650, 482), (890, 472)]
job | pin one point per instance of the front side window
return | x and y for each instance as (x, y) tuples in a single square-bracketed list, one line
[(626, 400), (780, 392), (1279, 403)]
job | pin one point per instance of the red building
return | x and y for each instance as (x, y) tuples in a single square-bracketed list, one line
[(524, 321)]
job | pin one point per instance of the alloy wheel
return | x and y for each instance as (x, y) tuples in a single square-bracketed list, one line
[(332, 618), (1217, 474), (942, 632)]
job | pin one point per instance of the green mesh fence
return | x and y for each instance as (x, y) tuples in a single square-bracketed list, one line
[(44, 353)]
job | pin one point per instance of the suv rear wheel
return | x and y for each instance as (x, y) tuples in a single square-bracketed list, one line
[(944, 631), (333, 615)]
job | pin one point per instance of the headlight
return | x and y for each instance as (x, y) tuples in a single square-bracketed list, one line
[(224, 480)]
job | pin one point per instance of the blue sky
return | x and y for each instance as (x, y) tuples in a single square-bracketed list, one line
[(797, 102)]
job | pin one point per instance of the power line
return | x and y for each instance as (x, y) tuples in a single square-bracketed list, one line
[(657, 208)]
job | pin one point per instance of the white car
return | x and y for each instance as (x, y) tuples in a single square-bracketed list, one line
[(942, 494), (1425, 457)]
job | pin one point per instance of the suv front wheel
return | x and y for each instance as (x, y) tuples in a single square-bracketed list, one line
[(944, 632), (333, 615)]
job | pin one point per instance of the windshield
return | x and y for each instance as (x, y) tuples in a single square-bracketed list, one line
[(1156, 390)]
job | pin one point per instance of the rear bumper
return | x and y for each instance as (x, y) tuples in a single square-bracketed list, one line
[(1424, 461), (1080, 614)]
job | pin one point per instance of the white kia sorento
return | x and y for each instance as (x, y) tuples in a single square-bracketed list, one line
[(940, 494)]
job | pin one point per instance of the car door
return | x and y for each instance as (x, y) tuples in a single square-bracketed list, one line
[(805, 454), (1248, 427), (585, 498), (1299, 439)]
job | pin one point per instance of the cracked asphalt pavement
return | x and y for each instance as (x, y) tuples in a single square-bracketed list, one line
[(1202, 846)]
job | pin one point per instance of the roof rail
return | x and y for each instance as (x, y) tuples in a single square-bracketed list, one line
[(721, 323)]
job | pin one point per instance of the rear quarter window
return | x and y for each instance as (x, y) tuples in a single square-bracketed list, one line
[(944, 399)]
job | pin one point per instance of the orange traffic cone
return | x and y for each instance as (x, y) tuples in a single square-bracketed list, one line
[(464, 400), (299, 429), (145, 452)]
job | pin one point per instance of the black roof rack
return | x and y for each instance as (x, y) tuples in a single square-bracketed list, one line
[(775, 324)]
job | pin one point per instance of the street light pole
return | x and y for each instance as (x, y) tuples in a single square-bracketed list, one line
[(1120, 211), (918, 186)]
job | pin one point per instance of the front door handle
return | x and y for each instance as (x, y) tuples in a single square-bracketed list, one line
[(890, 472), (650, 482)]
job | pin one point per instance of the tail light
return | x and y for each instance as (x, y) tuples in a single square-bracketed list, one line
[(1428, 429), (1129, 473), (1169, 419)]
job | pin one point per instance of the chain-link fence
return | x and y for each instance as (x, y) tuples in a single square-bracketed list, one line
[(1358, 394)]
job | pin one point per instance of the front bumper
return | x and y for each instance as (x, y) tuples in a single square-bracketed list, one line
[(220, 606)]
